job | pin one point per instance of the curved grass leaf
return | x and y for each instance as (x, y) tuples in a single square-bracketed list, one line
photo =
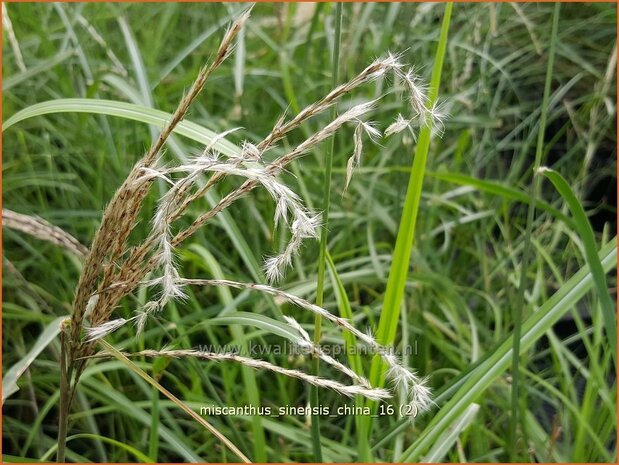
[(585, 231), (122, 110), (345, 312)]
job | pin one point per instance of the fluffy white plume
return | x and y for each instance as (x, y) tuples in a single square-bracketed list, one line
[(98, 332), (399, 125)]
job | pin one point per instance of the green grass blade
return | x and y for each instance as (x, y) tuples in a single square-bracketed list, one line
[(269, 325), (398, 272), (406, 233), (345, 312), (350, 341), (153, 434), (138, 63), (585, 231), (14, 459), (185, 52)]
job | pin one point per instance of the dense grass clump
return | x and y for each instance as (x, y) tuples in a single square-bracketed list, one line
[(409, 193)]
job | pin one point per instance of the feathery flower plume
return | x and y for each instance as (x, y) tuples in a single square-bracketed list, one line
[(140, 322), (304, 224), (346, 390), (399, 125), (355, 159), (119, 216), (437, 115), (98, 332)]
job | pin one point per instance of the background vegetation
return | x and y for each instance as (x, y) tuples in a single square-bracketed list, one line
[(463, 283)]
